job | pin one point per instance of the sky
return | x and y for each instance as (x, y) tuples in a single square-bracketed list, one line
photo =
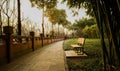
[(35, 14), (32, 13)]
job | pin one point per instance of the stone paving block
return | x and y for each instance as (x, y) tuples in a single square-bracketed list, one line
[(48, 58)]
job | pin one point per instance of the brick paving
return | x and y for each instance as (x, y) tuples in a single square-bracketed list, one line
[(49, 58)]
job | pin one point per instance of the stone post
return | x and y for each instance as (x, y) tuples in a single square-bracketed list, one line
[(32, 38), (41, 35), (47, 38), (8, 30)]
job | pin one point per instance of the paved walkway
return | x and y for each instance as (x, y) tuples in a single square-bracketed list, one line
[(48, 58)]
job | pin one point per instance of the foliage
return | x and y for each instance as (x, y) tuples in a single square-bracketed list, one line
[(81, 27), (56, 15), (43, 3), (93, 62), (80, 24), (79, 33), (83, 22), (91, 31), (80, 3)]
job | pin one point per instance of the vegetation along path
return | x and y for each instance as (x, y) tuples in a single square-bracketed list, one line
[(48, 58)]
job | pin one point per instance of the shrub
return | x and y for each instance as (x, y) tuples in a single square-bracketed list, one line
[(91, 31)]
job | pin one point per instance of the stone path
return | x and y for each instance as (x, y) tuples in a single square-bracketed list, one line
[(48, 58)]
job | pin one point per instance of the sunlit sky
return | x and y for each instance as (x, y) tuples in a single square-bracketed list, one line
[(35, 14)]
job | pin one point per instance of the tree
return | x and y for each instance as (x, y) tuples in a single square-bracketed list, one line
[(27, 26), (52, 15), (80, 24), (1, 4), (8, 13), (43, 4), (90, 31), (7, 9), (83, 22), (19, 18), (56, 16), (107, 14), (0, 22)]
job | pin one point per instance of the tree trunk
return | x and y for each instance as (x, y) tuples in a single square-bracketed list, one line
[(0, 23), (43, 22), (58, 30), (97, 15), (19, 18), (52, 31)]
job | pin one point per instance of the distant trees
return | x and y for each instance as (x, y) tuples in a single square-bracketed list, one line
[(57, 16), (9, 17), (7, 13), (1, 4), (83, 22), (27, 26), (91, 31), (8, 9), (43, 4), (86, 28)]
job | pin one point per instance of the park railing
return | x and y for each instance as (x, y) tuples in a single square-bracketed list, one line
[(19, 45)]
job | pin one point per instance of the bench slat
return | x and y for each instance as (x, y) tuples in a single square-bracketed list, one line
[(76, 46)]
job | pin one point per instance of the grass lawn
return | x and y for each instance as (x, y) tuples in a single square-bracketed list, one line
[(93, 62)]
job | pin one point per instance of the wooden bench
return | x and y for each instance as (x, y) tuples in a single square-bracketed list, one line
[(79, 48)]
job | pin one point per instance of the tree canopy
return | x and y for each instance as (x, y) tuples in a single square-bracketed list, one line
[(81, 23), (43, 3), (56, 15), (80, 3)]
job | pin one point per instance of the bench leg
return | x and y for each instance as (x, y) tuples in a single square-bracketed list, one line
[(79, 50), (76, 50), (82, 50)]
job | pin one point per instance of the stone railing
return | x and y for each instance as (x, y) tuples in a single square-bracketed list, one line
[(19, 45)]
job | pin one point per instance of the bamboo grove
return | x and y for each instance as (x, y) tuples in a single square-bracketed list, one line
[(107, 14)]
